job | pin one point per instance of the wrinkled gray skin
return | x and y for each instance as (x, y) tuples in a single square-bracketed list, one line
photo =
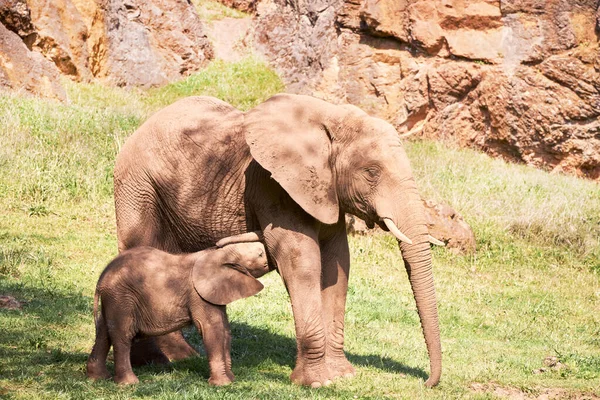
[(200, 170), (148, 292)]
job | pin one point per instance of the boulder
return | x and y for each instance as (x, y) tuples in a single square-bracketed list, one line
[(299, 38), (147, 43), (446, 225), (60, 34), (22, 70)]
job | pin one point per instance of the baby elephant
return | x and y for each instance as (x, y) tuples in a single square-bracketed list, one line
[(147, 292)]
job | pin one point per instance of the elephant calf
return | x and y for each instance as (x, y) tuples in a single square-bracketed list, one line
[(147, 292)]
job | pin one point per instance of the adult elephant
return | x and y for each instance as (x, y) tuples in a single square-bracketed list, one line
[(200, 170)]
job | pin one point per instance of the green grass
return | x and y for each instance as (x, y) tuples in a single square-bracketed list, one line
[(531, 291), (210, 10), (243, 84)]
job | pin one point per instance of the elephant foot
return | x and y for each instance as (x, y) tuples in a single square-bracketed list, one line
[(221, 380), (313, 376), (230, 375), (97, 372), (145, 351), (340, 367), (126, 379), (174, 346)]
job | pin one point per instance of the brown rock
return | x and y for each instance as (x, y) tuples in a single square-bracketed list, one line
[(147, 43), (385, 18), (228, 38), (446, 225), (132, 42), (546, 118), (373, 83), (426, 32), (15, 16), (60, 35), (349, 14), (298, 38), (26, 71), (10, 303), (472, 28), (476, 45), (449, 82)]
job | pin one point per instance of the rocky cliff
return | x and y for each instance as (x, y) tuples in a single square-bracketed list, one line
[(516, 78), (519, 79), (132, 42)]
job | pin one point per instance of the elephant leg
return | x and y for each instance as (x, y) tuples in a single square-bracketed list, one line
[(123, 373), (335, 261), (297, 256), (96, 364), (139, 225), (121, 333), (212, 322), (227, 334), (174, 346)]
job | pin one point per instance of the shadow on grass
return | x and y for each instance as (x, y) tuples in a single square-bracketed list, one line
[(50, 316), (253, 345)]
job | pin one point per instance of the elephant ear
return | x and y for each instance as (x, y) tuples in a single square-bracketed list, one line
[(224, 283), (288, 138)]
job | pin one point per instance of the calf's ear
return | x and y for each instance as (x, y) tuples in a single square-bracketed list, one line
[(222, 284)]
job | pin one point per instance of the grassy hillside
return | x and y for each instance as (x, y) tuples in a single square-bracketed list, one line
[(531, 292)]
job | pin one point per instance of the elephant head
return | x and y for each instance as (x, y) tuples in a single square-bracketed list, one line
[(333, 159), (225, 274)]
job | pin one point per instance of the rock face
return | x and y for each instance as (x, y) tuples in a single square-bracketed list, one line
[(148, 43), (24, 70), (516, 78), (132, 42)]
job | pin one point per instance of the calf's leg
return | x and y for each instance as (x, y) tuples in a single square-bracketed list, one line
[(96, 364)]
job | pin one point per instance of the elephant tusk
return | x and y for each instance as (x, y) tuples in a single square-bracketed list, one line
[(395, 231), (433, 240), (255, 236)]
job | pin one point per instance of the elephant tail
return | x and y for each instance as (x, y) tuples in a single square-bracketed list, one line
[(96, 297)]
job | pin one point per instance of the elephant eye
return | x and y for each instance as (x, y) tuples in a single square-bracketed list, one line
[(372, 173)]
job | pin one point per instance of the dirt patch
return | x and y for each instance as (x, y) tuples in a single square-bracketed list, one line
[(512, 393), (10, 303), (551, 363)]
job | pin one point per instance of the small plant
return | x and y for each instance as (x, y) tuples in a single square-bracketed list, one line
[(11, 261), (39, 210)]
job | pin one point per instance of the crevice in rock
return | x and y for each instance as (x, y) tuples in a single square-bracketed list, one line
[(429, 96)]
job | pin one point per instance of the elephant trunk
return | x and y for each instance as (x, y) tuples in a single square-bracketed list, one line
[(409, 217), (417, 260)]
